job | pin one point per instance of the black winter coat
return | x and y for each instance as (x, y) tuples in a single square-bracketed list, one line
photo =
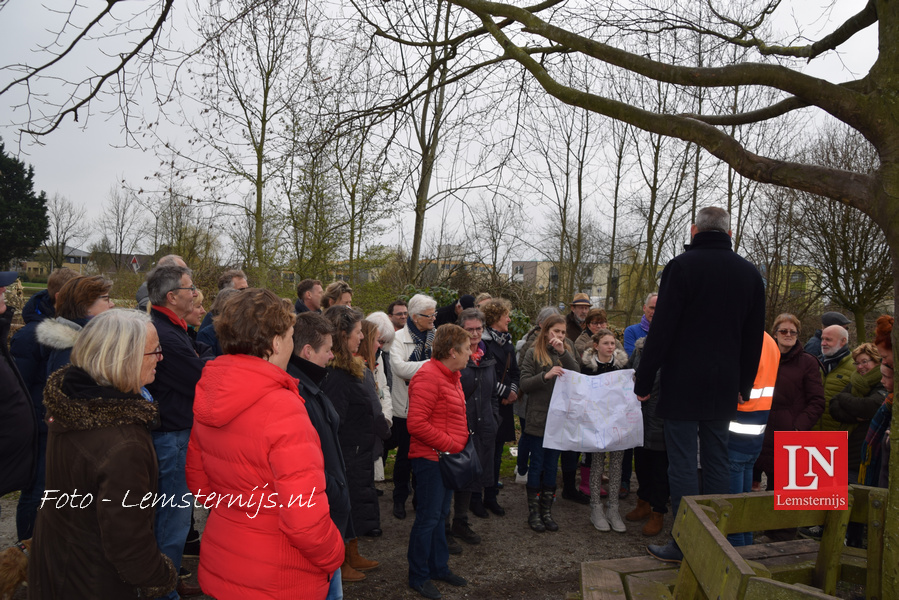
[(354, 400), (177, 373), (18, 427), (507, 380), (482, 410), (326, 422), (711, 303), (653, 425), (30, 356), (857, 407)]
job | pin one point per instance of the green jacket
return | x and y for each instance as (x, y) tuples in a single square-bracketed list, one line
[(539, 390), (834, 382)]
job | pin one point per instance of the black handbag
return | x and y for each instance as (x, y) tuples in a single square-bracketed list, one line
[(462, 469)]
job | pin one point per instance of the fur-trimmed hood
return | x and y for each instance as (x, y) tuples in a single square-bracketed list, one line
[(58, 333), (75, 402), (590, 360)]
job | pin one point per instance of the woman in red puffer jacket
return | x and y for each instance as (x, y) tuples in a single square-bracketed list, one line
[(437, 422), (252, 445)]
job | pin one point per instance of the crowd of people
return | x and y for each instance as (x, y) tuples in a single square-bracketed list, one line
[(278, 417)]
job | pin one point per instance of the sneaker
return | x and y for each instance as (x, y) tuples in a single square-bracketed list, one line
[(812, 533), (184, 573), (427, 589), (598, 518), (667, 553), (464, 533), (519, 478), (453, 579)]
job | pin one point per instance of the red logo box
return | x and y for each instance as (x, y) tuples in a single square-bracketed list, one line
[(811, 470)]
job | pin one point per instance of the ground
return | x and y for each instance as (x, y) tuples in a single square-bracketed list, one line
[(510, 562)]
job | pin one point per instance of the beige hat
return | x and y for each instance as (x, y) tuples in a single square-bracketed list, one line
[(581, 299)]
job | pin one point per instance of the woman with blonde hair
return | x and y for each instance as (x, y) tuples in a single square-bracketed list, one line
[(370, 352), (100, 416), (543, 364)]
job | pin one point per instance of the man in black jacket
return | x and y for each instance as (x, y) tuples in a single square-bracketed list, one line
[(172, 292), (18, 426), (706, 337)]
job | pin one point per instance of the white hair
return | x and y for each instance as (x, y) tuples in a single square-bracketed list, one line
[(419, 303), (385, 326), (650, 297)]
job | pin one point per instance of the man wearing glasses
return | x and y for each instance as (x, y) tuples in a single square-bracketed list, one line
[(172, 292)]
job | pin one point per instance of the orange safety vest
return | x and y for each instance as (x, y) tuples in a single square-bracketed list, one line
[(752, 414)]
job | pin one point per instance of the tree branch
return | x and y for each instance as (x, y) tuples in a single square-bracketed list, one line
[(754, 116), (848, 187), (837, 100)]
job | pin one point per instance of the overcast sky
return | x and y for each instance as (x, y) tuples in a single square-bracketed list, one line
[(82, 164)]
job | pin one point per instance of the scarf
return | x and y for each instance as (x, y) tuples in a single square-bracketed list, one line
[(831, 362), (478, 354), (423, 341), (171, 316), (500, 337), (872, 447), (644, 324), (863, 384)]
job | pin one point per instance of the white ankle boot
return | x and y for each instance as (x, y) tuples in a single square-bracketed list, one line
[(598, 518)]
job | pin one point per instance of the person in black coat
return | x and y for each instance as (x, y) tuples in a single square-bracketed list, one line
[(450, 313), (711, 304), (18, 426), (498, 341), (351, 389), (31, 359), (478, 381), (312, 340)]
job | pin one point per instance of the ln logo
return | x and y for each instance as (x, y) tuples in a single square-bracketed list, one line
[(811, 470)]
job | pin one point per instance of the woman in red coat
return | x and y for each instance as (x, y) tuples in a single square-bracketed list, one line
[(437, 423), (256, 461)]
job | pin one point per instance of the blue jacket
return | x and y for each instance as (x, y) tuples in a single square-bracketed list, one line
[(631, 335)]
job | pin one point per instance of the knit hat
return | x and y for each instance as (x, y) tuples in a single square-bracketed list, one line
[(580, 299), (466, 301), (834, 318)]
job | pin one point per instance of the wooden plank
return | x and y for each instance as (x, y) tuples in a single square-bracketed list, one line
[(635, 564), (639, 588), (860, 502), (722, 510), (717, 566), (687, 586), (877, 502), (791, 569), (797, 547), (854, 567), (827, 567), (754, 511), (768, 589), (598, 583), (668, 577)]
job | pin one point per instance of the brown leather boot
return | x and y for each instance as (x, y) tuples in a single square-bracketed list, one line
[(355, 559), (654, 525), (639, 513), (348, 573)]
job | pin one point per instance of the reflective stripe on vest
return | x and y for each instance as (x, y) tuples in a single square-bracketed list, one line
[(747, 428)]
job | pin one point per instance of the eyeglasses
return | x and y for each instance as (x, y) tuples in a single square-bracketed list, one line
[(787, 332), (157, 352), (432, 316), (402, 314), (866, 361), (192, 288), (475, 330)]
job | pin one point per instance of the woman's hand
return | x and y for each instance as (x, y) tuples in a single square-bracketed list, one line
[(557, 344), (552, 373)]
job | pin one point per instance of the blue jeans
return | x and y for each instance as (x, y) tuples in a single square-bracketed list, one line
[(172, 523), (544, 463), (683, 476), (335, 590), (741, 481), (30, 499), (428, 554)]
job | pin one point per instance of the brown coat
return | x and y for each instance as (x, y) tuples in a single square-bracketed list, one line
[(98, 444)]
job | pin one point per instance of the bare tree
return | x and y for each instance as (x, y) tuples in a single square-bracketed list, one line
[(120, 225), (68, 228)]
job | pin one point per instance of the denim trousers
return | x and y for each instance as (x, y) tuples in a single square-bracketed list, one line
[(428, 553), (172, 522), (741, 481), (30, 498), (402, 469), (544, 465), (335, 590), (681, 443)]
